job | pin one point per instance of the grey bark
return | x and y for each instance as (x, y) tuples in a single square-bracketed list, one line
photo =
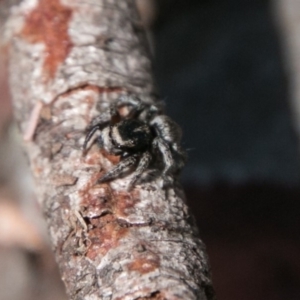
[(68, 61)]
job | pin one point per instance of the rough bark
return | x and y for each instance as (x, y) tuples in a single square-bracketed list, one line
[(68, 61)]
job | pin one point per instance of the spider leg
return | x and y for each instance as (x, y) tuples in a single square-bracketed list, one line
[(89, 135), (170, 135), (142, 166), (167, 129), (164, 149), (119, 169)]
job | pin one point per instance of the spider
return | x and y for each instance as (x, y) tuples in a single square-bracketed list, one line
[(136, 137)]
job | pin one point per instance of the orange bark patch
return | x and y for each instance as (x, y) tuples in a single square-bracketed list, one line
[(105, 237), (95, 203), (48, 24), (93, 157), (124, 202), (143, 265), (112, 158)]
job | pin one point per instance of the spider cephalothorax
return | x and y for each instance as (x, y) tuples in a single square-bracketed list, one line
[(138, 136)]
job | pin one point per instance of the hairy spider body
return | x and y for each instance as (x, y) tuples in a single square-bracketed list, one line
[(136, 137), (131, 135)]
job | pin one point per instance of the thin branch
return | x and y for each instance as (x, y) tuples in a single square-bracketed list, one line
[(109, 243)]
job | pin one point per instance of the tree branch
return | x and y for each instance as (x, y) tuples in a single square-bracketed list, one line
[(69, 60)]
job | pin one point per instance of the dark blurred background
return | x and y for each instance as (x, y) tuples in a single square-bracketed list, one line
[(220, 69), (219, 66)]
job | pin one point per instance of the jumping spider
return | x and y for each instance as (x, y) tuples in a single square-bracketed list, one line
[(137, 136)]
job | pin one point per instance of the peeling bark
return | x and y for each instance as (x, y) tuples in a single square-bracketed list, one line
[(68, 61)]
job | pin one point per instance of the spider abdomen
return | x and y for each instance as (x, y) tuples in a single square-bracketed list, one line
[(167, 129)]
